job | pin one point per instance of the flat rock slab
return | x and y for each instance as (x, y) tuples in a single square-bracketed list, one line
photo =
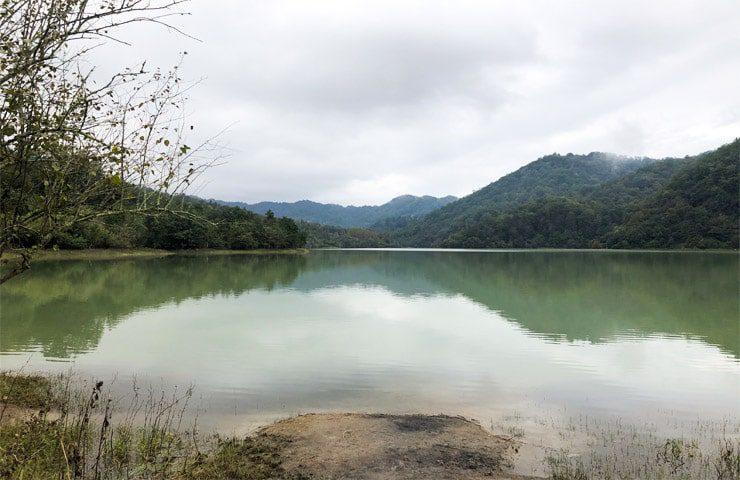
[(363, 446)]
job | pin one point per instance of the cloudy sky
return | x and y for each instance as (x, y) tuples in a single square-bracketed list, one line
[(357, 102)]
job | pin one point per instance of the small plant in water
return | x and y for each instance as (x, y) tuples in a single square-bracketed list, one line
[(563, 467), (515, 432), (727, 464), (678, 455)]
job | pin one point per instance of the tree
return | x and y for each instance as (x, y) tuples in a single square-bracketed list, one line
[(74, 148)]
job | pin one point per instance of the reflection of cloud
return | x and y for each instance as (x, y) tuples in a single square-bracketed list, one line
[(360, 345), (573, 295), (464, 332)]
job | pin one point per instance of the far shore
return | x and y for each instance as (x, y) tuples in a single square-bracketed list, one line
[(123, 253), (118, 253)]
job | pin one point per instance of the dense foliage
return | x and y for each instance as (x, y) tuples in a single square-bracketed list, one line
[(405, 206), (698, 208), (207, 225), (552, 175), (579, 202), (577, 221), (591, 201), (327, 236)]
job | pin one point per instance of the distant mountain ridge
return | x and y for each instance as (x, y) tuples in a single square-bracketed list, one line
[(404, 206), (597, 200)]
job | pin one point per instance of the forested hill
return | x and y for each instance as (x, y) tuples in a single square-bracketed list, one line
[(698, 207), (595, 201), (405, 206), (558, 201), (551, 175)]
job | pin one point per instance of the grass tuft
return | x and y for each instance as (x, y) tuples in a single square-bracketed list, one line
[(76, 432), (26, 391)]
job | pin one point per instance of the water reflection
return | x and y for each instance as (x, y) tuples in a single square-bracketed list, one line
[(459, 332), (63, 308)]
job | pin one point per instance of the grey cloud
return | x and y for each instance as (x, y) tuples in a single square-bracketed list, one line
[(358, 101), (356, 70)]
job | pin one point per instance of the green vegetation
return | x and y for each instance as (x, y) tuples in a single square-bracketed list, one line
[(121, 254), (249, 458), (26, 391), (403, 207), (578, 221), (595, 201), (78, 148), (75, 431), (104, 163), (206, 225), (698, 208), (549, 176), (327, 236)]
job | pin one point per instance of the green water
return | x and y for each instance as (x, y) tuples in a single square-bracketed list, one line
[(466, 332)]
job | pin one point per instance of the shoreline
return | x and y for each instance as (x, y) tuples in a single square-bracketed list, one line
[(43, 414), (125, 253), (527, 250), (129, 253)]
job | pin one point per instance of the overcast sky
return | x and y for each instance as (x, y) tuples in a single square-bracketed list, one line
[(358, 102)]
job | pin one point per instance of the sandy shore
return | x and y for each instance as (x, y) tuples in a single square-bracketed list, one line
[(378, 446)]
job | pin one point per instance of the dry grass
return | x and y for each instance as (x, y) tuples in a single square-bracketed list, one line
[(57, 428), (54, 427)]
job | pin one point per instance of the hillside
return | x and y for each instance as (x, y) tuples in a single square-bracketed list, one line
[(698, 208), (405, 206), (559, 201), (329, 236), (551, 175), (580, 220), (671, 203)]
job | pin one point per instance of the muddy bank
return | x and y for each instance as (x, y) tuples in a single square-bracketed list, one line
[(367, 446)]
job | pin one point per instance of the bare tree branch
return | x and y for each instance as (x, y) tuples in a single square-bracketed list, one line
[(72, 151)]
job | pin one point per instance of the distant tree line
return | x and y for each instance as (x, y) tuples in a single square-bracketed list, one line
[(691, 202), (206, 225), (327, 236)]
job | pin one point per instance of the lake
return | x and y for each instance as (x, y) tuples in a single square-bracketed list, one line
[(632, 335)]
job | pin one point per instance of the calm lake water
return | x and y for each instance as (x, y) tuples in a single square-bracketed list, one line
[(629, 334)]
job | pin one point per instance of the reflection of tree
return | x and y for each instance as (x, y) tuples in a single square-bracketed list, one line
[(594, 296), (578, 295), (65, 306)]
